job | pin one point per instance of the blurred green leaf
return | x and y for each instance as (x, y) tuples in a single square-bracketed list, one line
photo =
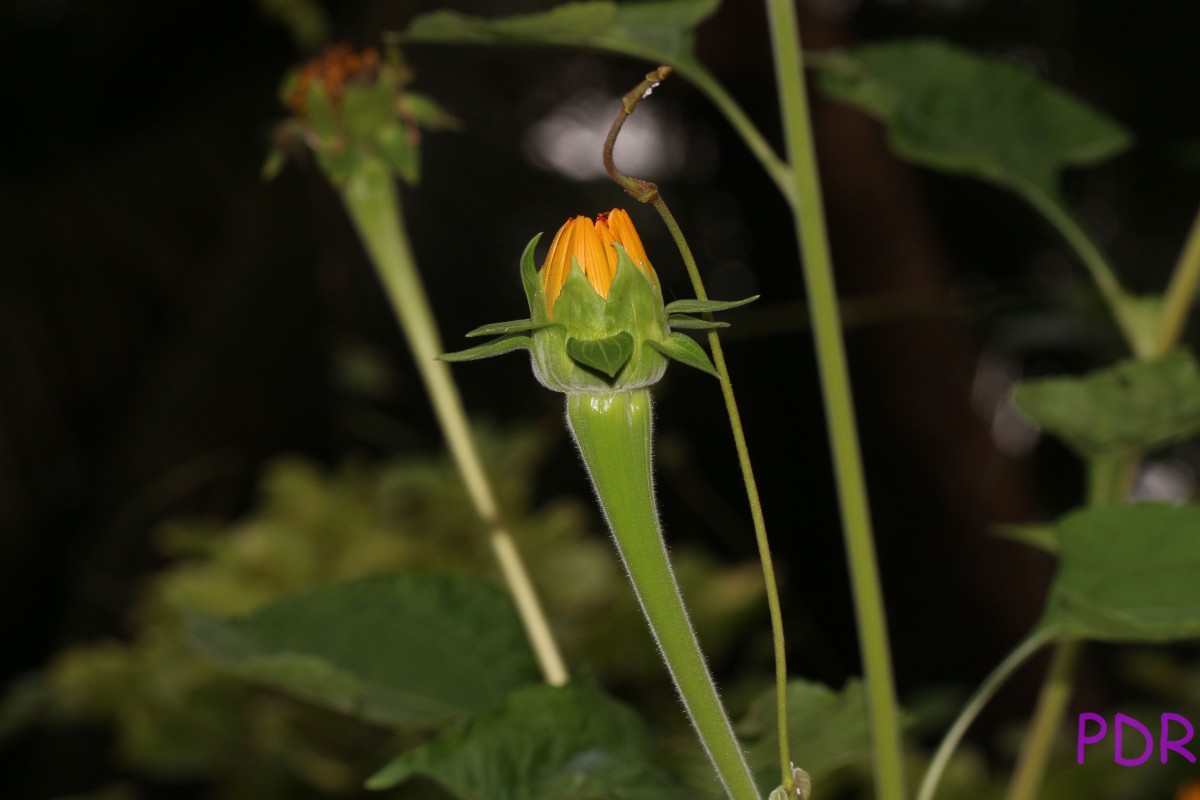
[(546, 743), (827, 730), (607, 355), (949, 109), (658, 30), (1129, 573), (1127, 408), (411, 651)]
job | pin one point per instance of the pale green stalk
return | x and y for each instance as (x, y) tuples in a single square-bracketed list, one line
[(983, 695), (613, 432), (835, 385), (372, 201), (645, 191), (1181, 294)]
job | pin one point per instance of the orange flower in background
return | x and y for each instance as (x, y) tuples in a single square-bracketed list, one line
[(334, 69), (591, 244), (1189, 791)]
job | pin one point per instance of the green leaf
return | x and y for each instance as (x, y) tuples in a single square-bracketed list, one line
[(546, 743), (514, 326), (683, 349), (682, 322), (608, 355), (1133, 406), (532, 283), (400, 151), (702, 306), (827, 730), (1041, 537), (496, 347), (949, 109), (411, 651), (659, 30), (1128, 574)]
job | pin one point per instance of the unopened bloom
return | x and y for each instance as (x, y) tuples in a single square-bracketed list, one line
[(591, 245), (597, 323)]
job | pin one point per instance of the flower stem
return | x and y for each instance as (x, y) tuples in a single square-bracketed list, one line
[(613, 432), (645, 191), (373, 203), (941, 759), (1047, 718), (835, 385), (1181, 294)]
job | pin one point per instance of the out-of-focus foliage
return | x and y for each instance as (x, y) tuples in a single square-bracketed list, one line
[(950, 109), (176, 717), (546, 743), (1127, 408), (305, 20)]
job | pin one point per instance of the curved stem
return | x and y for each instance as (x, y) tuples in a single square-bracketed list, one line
[(809, 218), (1118, 300), (1047, 718), (645, 191), (751, 136), (983, 695), (613, 432), (1181, 293), (373, 204)]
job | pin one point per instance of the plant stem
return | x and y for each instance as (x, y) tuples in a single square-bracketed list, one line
[(983, 695), (644, 191), (1106, 485), (373, 203), (1119, 302), (835, 384), (751, 137), (1181, 294), (613, 432)]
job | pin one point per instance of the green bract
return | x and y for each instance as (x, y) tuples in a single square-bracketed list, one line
[(596, 344)]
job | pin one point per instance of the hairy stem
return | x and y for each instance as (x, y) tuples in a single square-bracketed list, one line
[(809, 219), (645, 191), (373, 204), (613, 432)]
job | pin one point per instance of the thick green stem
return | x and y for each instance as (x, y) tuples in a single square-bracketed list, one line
[(373, 204), (1181, 294), (647, 192), (614, 432), (809, 218)]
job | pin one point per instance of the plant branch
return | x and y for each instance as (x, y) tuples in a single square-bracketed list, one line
[(1181, 294), (809, 217), (645, 191), (374, 206)]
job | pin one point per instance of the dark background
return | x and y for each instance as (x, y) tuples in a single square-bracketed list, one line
[(168, 320)]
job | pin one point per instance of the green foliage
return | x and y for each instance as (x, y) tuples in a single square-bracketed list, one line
[(1041, 537), (496, 347), (569, 743), (174, 716), (827, 731), (1128, 574), (683, 322), (514, 326), (1128, 408), (701, 306), (659, 30), (949, 109), (411, 651)]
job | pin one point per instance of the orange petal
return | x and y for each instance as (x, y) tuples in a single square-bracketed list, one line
[(626, 235), (554, 268), (606, 240), (588, 248)]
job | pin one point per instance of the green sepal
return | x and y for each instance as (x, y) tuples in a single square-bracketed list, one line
[(684, 349), (633, 301), (608, 355), (496, 347), (683, 322), (397, 147), (514, 326), (579, 307), (532, 283), (702, 306)]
